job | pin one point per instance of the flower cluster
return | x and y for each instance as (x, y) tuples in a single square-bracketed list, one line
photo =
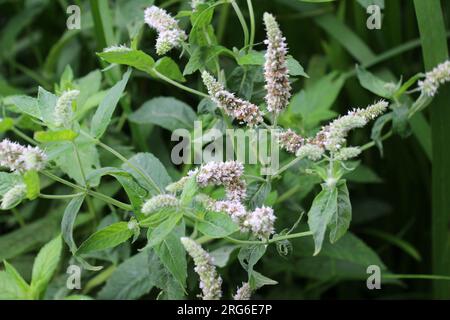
[(290, 141), (243, 293), (311, 151), (227, 174), (159, 202), (169, 33), (242, 110), (63, 109), (333, 136), (19, 158), (210, 281), (434, 78), (13, 196), (275, 68)]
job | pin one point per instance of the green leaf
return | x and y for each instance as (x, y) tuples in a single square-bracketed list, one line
[(252, 58), (6, 124), (68, 221), (32, 181), (400, 120), (157, 235), (249, 255), (44, 266), (133, 58), (46, 103), (257, 280), (189, 190), (166, 112), (171, 253), (8, 181), (340, 220), (25, 104), (155, 174), (202, 57), (133, 278), (222, 254), (372, 83), (169, 68), (20, 286), (322, 210), (55, 136), (257, 193), (377, 130), (9, 288), (102, 116), (295, 68), (108, 237), (217, 225)]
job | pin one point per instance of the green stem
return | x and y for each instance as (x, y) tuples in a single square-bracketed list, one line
[(242, 21), (23, 136), (179, 85), (252, 24), (60, 196)]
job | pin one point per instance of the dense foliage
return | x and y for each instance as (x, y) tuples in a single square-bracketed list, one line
[(116, 183)]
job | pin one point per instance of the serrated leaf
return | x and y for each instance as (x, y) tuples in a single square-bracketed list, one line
[(340, 220), (166, 112), (169, 68), (108, 237), (217, 225), (103, 114), (133, 58), (68, 221), (171, 253), (44, 266), (157, 235), (320, 213)]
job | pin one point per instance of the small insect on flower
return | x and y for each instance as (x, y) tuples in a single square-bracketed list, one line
[(242, 110), (63, 110), (243, 293), (19, 158), (210, 281), (275, 69), (159, 202), (169, 33), (434, 78), (13, 196)]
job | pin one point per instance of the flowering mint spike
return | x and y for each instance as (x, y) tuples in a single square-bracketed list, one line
[(210, 281), (169, 33), (18, 158), (243, 293), (275, 69), (434, 78), (227, 174), (13, 196), (242, 110), (290, 141), (63, 108), (311, 151), (159, 202), (260, 222), (347, 153)]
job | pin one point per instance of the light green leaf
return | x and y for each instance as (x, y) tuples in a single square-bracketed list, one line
[(6, 124), (157, 235), (322, 209), (222, 254), (373, 83), (249, 255), (252, 58), (169, 68), (8, 181), (25, 104), (44, 266), (55, 136), (20, 286), (9, 288), (133, 58), (46, 103), (217, 225), (108, 237), (295, 68), (102, 116), (68, 221), (257, 280), (166, 112), (32, 181)]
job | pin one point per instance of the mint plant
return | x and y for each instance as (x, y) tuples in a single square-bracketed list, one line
[(163, 223)]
